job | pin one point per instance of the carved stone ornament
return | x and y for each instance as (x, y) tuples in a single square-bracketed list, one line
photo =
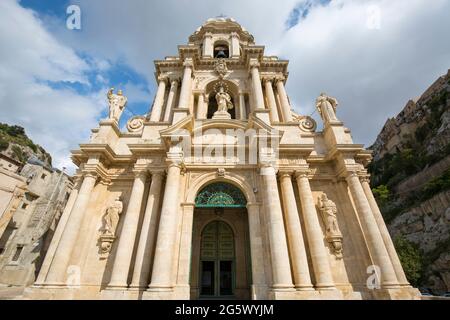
[(306, 123), (333, 235), (136, 124), (221, 68), (221, 172), (109, 226)]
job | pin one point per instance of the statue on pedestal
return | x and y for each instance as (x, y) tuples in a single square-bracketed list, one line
[(116, 104), (326, 106), (223, 104)]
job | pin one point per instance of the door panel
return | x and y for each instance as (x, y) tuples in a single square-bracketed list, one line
[(217, 260)]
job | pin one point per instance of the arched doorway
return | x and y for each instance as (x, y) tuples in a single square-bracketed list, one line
[(220, 264)]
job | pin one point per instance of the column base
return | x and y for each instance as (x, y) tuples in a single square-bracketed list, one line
[(399, 293), (304, 288), (166, 293), (259, 292)]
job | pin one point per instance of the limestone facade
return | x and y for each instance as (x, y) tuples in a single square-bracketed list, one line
[(217, 192)]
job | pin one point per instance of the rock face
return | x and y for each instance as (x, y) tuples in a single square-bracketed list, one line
[(15, 143), (416, 144)]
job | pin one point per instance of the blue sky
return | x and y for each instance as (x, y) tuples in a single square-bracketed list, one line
[(372, 55)]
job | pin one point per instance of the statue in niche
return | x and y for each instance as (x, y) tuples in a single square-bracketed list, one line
[(326, 106), (223, 100), (328, 211), (108, 231), (111, 217), (117, 103)]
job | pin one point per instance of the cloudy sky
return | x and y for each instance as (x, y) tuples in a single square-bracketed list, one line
[(371, 55)]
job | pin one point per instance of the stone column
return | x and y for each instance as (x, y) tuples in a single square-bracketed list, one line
[(242, 110), (208, 50), (319, 254), (202, 107), (271, 100), (384, 233), (165, 244), (256, 84), (171, 99), (186, 85), (285, 106), (302, 278), (147, 237), (281, 268), (127, 237), (186, 245), (235, 47), (159, 99), (69, 237), (259, 285), (373, 237)]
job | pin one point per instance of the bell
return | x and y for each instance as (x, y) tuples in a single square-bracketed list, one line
[(221, 54)]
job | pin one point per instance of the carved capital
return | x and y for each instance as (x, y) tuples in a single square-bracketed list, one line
[(188, 63), (140, 173), (254, 64), (365, 179), (157, 173), (303, 173), (163, 78), (90, 174), (285, 174)]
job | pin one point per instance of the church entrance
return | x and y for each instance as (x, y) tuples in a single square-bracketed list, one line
[(220, 264), (217, 260)]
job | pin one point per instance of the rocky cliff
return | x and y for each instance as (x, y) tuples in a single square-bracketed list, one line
[(15, 143), (411, 180)]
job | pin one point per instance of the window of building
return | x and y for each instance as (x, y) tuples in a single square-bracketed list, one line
[(43, 176), (24, 205), (17, 253), (2, 250)]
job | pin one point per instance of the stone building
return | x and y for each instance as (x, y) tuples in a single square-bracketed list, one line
[(30, 227), (12, 190), (221, 191)]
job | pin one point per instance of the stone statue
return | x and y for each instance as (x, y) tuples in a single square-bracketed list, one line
[(327, 107), (328, 209), (223, 101), (116, 103), (333, 234), (111, 217)]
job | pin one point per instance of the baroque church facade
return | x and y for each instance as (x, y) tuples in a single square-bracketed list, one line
[(221, 191)]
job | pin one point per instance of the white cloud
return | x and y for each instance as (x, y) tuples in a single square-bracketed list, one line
[(32, 61), (371, 72)]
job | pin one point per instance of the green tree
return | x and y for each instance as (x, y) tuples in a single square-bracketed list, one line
[(411, 259), (382, 194)]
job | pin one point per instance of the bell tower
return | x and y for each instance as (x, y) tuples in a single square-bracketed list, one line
[(222, 56)]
